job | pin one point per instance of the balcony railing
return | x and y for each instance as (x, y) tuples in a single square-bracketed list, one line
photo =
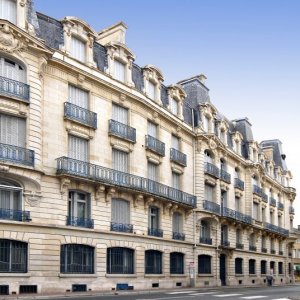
[(236, 215), (225, 243), (280, 205), (16, 154), (264, 250), (280, 252), (292, 210), (273, 251), (178, 236), (238, 183), (155, 232), (273, 202), (264, 197), (66, 165), (155, 145), (178, 157), (257, 190), (80, 222), (14, 88), (211, 170), (239, 246), (252, 248), (276, 229), (80, 115), (120, 227), (14, 215), (225, 176), (205, 240), (122, 130), (211, 206)]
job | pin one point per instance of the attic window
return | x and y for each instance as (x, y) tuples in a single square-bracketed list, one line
[(78, 49), (151, 90), (174, 106), (8, 10), (119, 71)]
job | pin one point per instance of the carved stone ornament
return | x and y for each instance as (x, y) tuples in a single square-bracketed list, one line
[(212, 144), (32, 198), (8, 42)]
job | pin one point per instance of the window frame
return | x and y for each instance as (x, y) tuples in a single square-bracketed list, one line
[(153, 262), (126, 258), (176, 263), (204, 264), (239, 266)]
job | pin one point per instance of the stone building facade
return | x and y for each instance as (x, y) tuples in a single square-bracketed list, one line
[(111, 179)]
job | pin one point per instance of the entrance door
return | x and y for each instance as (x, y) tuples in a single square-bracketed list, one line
[(223, 269)]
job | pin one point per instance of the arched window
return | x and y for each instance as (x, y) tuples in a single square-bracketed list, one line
[(208, 156), (120, 260), (11, 69), (204, 264), (153, 262), (8, 10), (238, 265), (13, 256), (176, 263)]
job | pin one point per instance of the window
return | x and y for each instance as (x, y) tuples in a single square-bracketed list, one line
[(224, 198), (175, 142), (153, 217), (263, 214), (8, 10), (224, 234), (237, 204), (173, 106), (177, 222), (78, 97), (120, 160), (252, 240), (13, 256), (263, 242), (263, 267), (239, 236), (151, 90), (271, 217), (176, 263), (204, 264), (272, 267), (152, 171), (119, 71), (78, 49), (176, 180), (153, 262), (251, 266), (279, 221), (79, 208), (152, 129), (255, 211), (78, 148), (120, 215), (280, 268), (9, 68), (238, 265), (120, 260), (206, 122), (205, 233), (120, 114), (209, 192), (76, 258), (223, 136)]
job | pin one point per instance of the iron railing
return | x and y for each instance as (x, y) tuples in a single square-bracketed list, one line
[(276, 229), (280, 205), (205, 240), (178, 236), (211, 170), (252, 248), (225, 243), (264, 250), (257, 190), (239, 246), (225, 176), (120, 227), (211, 206), (14, 215), (178, 157), (16, 154), (66, 165), (236, 215), (292, 210), (238, 183), (80, 222), (14, 88), (273, 251), (122, 130), (273, 202), (280, 252), (264, 197), (155, 145), (155, 232), (80, 114)]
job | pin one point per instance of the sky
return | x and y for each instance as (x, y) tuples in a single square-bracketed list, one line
[(249, 51)]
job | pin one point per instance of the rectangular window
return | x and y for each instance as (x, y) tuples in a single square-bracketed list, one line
[(120, 260), (209, 192), (251, 266), (153, 217), (153, 262), (238, 236), (152, 129), (255, 211), (8, 10), (119, 71), (78, 148), (120, 211), (78, 97), (78, 49), (237, 204), (177, 222), (176, 263), (204, 264), (238, 266), (175, 180), (206, 121), (151, 90), (79, 205), (173, 106), (120, 160), (152, 171), (120, 114), (271, 217), (175, 142)]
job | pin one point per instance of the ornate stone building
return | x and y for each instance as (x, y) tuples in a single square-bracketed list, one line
[(111, 179)]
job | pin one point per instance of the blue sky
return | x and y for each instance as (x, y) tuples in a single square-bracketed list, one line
[(249, 50)]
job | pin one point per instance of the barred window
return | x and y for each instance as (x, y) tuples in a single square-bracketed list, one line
[(280, 268), (204, 264), (272, 266), (76, 258), (176, 263), (120, 261), (263, 267), (251, 266), (238, 265), (153, 262), (13, 256)]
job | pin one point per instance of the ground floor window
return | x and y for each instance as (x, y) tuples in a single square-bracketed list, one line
[(263, 267), (76, 258), (204, 264), (153, 262), (280, 268), (238, 265), (120, 260), (251, 266), (176, 263)]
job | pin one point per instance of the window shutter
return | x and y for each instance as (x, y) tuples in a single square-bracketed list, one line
[(78, 97), (152, 129), (120, 114), (78, 49), (119, 70), (120, 211), (78, 148), (120, 160), (8, 10)]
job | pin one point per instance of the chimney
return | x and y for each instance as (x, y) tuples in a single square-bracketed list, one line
[(202, 78)]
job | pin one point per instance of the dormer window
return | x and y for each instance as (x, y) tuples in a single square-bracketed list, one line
[(119, 71), (206, 122), (8, 10), (176, 96), (174, 106), (152, 82), (223, 136), (78, 49), (151, 90)]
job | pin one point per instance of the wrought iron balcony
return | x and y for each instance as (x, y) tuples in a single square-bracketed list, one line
[(178, 236), (264, 250), (225, 176), (264, 197), (14, 215), (155, 145), (280, 252), (155, 232), (80, 222), (211, 206), (13, 88), (211, 170), (239, 246), (205, 240), (120, 227), (122, 130), (178, 157), (236, 215), (225, 243), (73, 167), (273, 251), (238, 183), (257, 190), (276, 229), (16, 154), (280, 205), (80, 114), (273, 202), (252, 248), (292, 210)]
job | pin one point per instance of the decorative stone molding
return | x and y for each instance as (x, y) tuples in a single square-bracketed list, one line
[(177, 168), (79, 130), (209, 180), (178, 94), (136, 199), (147, 202), (9, 41), (100, 192), (64, 185), (120, 144), (110, 193), (167, 208), (33, 198)]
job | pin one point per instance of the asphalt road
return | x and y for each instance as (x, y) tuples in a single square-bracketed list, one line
[(263, 293)]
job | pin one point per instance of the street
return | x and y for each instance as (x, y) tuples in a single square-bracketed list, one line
[(264, 293)]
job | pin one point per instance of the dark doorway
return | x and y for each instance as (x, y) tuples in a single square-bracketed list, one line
[(223, 269)]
